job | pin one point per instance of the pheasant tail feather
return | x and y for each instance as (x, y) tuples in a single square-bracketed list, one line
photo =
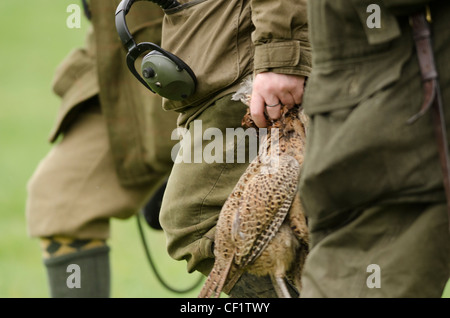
[(213, 285)]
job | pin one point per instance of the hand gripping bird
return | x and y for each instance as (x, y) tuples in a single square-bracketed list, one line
[(261, 228)]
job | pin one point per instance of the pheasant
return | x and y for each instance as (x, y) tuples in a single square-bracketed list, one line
[(261, 228)]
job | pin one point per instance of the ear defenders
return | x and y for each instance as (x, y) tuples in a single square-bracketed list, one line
[(163, 72)]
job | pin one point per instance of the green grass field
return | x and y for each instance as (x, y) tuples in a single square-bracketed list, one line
[(35, 39)]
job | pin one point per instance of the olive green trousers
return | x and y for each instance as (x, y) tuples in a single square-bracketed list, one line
[(203, 176), (75, 190), (197, 188), (390, 251)]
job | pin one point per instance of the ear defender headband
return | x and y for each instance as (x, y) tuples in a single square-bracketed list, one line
[(163, 72)]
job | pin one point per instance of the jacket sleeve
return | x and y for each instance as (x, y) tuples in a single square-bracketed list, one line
[(281, 37)]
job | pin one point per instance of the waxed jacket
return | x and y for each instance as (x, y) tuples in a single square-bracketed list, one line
[(225, 40), (365, 85), (139, 130)]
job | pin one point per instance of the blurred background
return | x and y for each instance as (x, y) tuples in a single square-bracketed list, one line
[(34, 39)]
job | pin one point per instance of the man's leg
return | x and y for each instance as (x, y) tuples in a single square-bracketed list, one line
[(392, 250), (71, 197), (196, 192), (77, 268)]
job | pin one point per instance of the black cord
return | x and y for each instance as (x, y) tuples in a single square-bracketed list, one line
[(155, 270), (87, 10)]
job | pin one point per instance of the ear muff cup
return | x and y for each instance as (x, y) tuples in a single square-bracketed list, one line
[(166, 78), (162, 72)]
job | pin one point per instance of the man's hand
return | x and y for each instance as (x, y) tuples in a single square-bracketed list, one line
[(270, 91)]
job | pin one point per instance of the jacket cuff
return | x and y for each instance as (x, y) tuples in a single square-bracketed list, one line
[(283, 57)]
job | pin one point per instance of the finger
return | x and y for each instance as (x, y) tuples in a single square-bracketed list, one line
[(287, 99), (297, 93), (257, 108), (273, 112)]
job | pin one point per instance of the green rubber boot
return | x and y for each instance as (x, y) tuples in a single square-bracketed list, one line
[(81, 274)]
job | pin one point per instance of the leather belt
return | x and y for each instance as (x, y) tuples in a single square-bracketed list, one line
[(432, 95)]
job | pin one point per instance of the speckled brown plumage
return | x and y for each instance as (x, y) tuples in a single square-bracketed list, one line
[(261, 227)]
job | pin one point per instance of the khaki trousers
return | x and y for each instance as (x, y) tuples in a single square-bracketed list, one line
[(392, 251), (75, 189), (196, 192)]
